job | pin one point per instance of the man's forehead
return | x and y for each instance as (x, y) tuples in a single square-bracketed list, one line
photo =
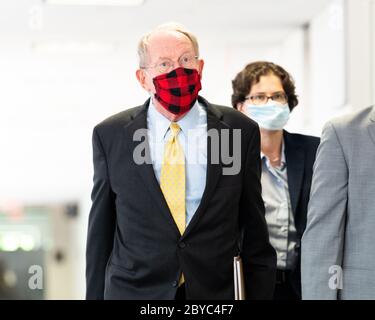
[(166, 39)]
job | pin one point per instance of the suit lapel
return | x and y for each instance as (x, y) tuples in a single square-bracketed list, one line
[(146, 170), (371, 127), (295, 160), (214, 171)]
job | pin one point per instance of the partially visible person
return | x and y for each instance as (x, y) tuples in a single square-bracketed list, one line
[(338, 261), (266, 93)]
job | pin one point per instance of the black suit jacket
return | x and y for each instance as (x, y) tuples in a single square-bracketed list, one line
[(300, 152), (134, 249)]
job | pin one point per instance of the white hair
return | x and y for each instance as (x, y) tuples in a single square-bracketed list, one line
[(170, 26)]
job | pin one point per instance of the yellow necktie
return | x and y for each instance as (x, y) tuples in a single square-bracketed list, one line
[(172, 179)]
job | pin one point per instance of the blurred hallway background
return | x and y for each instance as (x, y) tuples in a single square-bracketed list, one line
[(65, 65)]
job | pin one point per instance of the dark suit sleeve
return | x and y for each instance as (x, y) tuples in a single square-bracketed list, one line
[(101, 226), (259, 257)]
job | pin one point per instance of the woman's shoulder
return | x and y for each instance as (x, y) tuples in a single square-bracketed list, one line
[(302, 139)]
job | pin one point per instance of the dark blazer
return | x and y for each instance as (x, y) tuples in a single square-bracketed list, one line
[(300, 152), (134, 249)]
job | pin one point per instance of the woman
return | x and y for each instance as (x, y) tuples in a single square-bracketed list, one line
[(266, 93)]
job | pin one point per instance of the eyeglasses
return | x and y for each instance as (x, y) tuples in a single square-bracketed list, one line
[(166, 65), (258, 99)]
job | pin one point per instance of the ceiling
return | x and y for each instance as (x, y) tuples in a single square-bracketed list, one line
[(267, 21)]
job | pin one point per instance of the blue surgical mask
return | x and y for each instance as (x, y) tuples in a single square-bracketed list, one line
[(270, 116)]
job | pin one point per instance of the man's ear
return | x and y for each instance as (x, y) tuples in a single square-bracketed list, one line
[(200, 67), (141, 77), (144, 79)]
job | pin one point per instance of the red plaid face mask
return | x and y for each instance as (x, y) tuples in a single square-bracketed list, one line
[(178, 90)]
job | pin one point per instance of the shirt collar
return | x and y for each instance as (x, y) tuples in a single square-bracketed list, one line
[(161, 123), (190, 120)]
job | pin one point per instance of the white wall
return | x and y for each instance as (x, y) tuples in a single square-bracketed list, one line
[(327, 68), (360, 53), (341, 41)]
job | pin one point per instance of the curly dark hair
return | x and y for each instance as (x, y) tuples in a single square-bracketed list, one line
[(251, 74)]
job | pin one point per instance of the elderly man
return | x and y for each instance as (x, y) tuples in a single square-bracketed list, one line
[(169, 227)]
